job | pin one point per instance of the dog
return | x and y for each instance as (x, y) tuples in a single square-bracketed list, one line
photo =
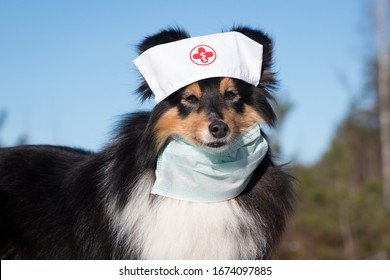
[(65, 203)]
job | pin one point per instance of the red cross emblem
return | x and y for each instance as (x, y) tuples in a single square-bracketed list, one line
[(203, 55)]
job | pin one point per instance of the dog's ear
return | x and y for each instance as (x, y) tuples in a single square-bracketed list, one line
[(163, 37), (267, 80)]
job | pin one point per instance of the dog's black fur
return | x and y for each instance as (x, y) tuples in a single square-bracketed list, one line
[(55, 201)]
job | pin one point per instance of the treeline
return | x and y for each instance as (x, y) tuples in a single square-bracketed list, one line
[(340, 211), (343, 210)]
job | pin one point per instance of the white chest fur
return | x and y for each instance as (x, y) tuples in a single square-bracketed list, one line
[(164, 228)]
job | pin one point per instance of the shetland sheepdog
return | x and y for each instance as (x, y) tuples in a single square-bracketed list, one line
[(65, 203)]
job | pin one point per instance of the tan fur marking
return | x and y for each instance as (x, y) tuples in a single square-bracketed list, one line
[(249, 118), (225, 85), (189, 128), (164, 127), (240, 123), (194, 89)]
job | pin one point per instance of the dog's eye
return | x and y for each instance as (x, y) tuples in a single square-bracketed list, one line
[(192, 99), (229, 95)]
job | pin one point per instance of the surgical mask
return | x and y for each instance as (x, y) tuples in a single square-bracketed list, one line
[(190, 173)]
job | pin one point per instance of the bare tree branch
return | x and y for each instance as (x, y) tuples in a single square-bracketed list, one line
[(381, 30)]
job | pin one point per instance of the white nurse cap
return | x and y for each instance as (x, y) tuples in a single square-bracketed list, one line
[(171, 66)]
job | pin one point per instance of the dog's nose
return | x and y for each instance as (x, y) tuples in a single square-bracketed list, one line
[(218, 129)]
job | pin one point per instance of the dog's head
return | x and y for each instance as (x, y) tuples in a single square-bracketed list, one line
[(212, 112)]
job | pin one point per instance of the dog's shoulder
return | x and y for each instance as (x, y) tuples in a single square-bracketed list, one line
[(21, 164), (33, 154)]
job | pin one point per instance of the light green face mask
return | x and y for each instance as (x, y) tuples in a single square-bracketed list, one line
[(187, 172)]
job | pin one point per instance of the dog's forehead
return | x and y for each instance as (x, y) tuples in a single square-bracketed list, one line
[(212, 84)]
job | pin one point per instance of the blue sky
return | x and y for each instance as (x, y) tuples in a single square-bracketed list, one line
[(66, 71)]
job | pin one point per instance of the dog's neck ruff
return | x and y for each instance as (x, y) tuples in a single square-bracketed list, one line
[(189, 173), (171, 66)]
